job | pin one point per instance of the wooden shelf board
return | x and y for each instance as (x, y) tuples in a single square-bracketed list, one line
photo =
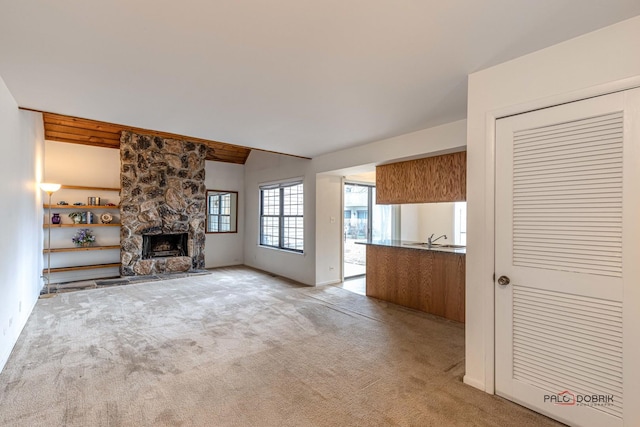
[(80, 225), (82, 267), (81, 187), (81, 207), (80, 249)]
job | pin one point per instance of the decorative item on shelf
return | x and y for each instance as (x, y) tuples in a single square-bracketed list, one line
[(93, 201), (110, 204), (55, 219), (84, 237), (88, 218), (62, 203), (76, 217), (78, 204), (106, 218)]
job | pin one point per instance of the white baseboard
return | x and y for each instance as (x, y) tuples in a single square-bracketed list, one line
[(13, 337), (473, 382), (329, 282)]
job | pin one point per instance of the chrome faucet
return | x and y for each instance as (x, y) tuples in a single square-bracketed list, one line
[(431, 240)]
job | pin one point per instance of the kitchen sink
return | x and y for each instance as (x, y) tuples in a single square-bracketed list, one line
[(436, 245)]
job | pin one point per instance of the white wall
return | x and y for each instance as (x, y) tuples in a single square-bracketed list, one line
[(83, 165), (76, 164), (322, 253), (438, 219), (21, 136), (589, 65), (410, 223), (329, 193), (224, 249), (421, 220), (263, 167), (442, 139)]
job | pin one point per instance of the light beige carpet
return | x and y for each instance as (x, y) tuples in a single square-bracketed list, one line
[(241, 348)]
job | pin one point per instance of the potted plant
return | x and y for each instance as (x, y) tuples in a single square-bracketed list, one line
[(76, 217), (84, 237)]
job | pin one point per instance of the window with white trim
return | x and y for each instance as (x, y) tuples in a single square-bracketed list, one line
[(281, 216)]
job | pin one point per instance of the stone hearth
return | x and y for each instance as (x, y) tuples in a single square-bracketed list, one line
[(162, 192)]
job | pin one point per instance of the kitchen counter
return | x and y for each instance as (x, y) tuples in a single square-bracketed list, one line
[(416, 276), (416, 245)]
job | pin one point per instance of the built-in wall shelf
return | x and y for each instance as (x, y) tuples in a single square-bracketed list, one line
[(80, 225), (67, 258), (81, 207), (80, 187), (85, 248), (82, 267)]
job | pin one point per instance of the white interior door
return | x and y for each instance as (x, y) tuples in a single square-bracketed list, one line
[(566, 214)]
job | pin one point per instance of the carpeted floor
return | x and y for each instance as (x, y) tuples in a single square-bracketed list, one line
[(241, 348)]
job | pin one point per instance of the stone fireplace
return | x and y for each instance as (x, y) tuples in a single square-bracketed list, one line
[(162, 205), (164, 245)]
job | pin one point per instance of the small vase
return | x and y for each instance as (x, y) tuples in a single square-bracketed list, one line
[(55, 219), (83, 244), (77, 219)]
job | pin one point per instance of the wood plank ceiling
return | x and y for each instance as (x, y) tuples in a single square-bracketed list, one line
[(102, 134)]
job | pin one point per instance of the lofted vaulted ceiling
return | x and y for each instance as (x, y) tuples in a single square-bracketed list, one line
[(101, 134), (292, 76)]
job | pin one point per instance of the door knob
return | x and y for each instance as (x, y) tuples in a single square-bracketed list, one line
[(503, 281)]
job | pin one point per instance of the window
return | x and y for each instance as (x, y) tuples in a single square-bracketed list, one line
[(281, 216), (222, 211), (460, 223)]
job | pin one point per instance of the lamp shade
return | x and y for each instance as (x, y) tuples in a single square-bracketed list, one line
[(49, 187)]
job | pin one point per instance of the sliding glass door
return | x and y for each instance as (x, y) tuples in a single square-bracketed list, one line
[(363, 220)]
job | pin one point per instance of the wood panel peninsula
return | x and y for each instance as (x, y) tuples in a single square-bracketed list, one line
[(414, 275)]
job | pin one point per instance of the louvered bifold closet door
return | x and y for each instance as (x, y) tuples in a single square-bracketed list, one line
[(567, 215), (567, 196), (567, 342)]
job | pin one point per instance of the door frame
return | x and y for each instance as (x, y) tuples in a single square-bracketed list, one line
[(370, 202), (488, 245)]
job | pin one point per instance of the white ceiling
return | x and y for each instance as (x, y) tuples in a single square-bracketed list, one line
[(296, 76)]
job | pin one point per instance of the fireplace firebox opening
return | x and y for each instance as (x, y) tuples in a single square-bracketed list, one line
[(164, 245)]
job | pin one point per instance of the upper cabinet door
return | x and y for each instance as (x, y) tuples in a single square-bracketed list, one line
[(432, 179)]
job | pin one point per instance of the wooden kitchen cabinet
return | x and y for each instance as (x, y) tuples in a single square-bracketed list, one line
[(432, 179), (429, 281)]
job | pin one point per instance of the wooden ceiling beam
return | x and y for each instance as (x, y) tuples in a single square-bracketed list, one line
[(82, 131), (56, 119), (82, 139)]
